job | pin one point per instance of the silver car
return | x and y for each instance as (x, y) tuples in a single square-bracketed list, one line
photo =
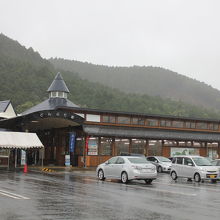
[(193, 167), (127, 168), (216, 163), (163, 164)]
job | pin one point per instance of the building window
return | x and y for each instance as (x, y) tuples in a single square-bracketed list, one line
[(162, 123), (112, 119), (168, 123), (152, 122), (60, 94), (4, 152), (190, 124), (122, 146), (53, 94), (193, 125), (187, 124), (165, 123), (138, 146), (202, 125), (105, 118), (80, 145), (93, 118), (177, 124), (138, 121), (108, 119), (106, 146), (124, 120), (215, 127)]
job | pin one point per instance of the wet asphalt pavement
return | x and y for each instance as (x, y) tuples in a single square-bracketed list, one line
[(79, 195)]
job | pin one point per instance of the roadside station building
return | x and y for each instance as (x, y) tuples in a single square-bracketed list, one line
[(91, 136)]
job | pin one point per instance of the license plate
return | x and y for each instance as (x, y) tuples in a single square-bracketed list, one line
[(144, 170), (212, 176)]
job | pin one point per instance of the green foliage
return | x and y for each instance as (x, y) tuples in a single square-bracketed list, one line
[(25, 83), (149, 80)]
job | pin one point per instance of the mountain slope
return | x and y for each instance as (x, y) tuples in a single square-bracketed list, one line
[(152, 81), (25, 83)]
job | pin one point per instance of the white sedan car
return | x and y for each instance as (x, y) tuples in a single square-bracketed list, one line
[(127, 168)]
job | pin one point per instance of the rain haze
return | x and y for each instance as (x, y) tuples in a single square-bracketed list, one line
[(181, 35)]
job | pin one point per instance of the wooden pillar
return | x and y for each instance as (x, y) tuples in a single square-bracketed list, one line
[(218, 150), (113, 147), (99, 150), (203, 150), (146, 148), (130, 146), (177, 143), (206, 149), (85, 150), (162, 147)]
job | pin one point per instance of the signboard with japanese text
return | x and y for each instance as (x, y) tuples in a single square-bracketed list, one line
[(67, 160), (92, 147), (23, 157)]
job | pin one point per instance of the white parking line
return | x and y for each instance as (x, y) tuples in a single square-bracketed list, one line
[(12, 195)]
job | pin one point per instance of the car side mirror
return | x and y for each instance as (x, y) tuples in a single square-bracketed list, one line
[(190, 164), (106, 163)]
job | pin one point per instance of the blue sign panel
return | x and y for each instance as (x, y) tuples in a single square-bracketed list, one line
[(72, 142)]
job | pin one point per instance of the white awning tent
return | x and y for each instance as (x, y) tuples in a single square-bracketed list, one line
[(19, 140)]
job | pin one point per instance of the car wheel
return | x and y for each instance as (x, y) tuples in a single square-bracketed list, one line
[(173, 175), (148, 181), (124, 177), (159, 169), (197, 178), (101, 174), (213, 181)]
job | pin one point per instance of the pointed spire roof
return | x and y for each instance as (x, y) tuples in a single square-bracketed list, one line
[(58, 85)]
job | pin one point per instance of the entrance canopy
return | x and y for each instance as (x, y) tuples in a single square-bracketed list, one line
[(19, 140)]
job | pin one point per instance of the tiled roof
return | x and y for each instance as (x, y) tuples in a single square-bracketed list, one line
[(58, 85), (154, 134), (4, 105), (50, 104)]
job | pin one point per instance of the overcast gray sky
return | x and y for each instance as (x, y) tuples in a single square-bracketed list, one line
[(181, 35)]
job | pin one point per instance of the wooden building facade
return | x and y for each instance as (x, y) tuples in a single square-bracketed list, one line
[(92, 136)]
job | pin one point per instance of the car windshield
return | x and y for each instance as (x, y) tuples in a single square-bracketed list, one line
[(200, 161), (163, 159), (138, 160), (209, 159)]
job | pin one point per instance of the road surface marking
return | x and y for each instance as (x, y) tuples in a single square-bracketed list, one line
[(12, 195)]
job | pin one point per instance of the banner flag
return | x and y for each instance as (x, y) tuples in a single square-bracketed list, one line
[(72, 141)]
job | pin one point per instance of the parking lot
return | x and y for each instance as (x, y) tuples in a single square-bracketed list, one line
[(80, 195)]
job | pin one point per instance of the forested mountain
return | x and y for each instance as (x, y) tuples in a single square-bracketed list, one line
[(13, 50), (153, 81), (25, 83)]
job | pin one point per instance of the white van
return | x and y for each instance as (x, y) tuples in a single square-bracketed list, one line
[(193, 167)]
